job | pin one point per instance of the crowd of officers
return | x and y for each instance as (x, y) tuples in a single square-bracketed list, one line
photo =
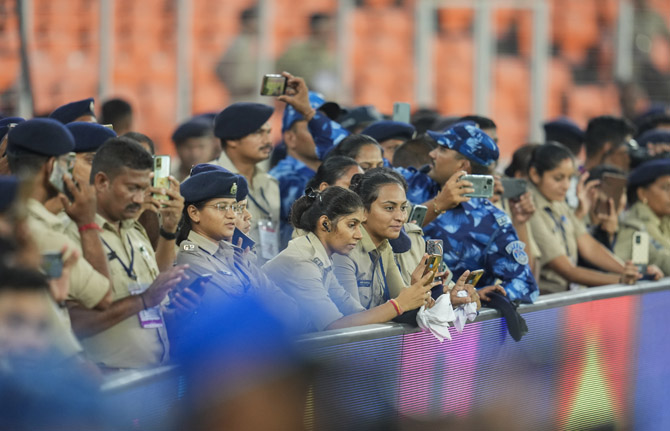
[(321, 240)]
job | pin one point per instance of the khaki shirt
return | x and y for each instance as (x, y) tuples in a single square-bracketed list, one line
[(532, 247), (263, 201), (60, 331), (87, 286), (408, 261), (369, 273), (235, 274), (640, 218), (556, 230), (127, 344), (304, 271)]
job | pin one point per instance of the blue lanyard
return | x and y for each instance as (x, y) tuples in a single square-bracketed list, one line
[(560, 226), (263, 210), (387, 294), (112, 255)]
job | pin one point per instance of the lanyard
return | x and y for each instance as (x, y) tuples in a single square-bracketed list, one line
[(112, 255), (387, 294), (560, 226), (259, 206)]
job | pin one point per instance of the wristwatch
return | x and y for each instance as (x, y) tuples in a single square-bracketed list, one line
[(168, 235)]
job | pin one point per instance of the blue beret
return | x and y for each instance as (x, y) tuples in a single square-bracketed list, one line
[(242, 185), (209, 182), (207, 116), (70, 112), (360, 115), (656, 136), (241, 119), (9, 186), (6, 122), (563, 127), (41, 136), (387, 129), (316, 101), (648, 172), (193, 128), (88, 137), (469, 140)]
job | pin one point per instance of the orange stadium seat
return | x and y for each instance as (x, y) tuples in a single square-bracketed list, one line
[(585, 102), (456, 20)]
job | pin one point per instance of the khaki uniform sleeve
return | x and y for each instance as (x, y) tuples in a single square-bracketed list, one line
[(345, 271), (624, 242), (579, 226)]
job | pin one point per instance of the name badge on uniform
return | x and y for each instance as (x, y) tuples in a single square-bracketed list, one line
[(516, 249), (502, 220), (151, 317), (269, 239), (364, 283)]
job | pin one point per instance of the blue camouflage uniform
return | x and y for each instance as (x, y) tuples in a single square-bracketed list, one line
[(476, 234), (293, 174)]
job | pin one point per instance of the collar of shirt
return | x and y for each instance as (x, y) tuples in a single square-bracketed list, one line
[(369, 246), (222, 247), (641, 211), (320, 252), (540, 201), (107, 225), (41, 213)]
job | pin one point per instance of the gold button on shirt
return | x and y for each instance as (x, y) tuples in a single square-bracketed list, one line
[(555, 229), (368, 271), (127, 344)]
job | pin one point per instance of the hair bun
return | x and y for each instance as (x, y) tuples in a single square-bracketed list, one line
[(355, 184)]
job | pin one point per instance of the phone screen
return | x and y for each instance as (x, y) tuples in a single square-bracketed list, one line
[(52, 264), (273, 85)]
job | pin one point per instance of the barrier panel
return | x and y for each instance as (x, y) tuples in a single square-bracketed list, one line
[(593, 359)]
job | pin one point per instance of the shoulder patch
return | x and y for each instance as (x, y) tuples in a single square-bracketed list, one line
[(317, 262), (188, 247), (516, 249), (503, 219)]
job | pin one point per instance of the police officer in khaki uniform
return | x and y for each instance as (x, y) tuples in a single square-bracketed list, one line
[(131, 333), (408, 257), (37, 149), (649, 204), (560, 235), (369, 273), (244, 131), (304, 270), (210, 214)]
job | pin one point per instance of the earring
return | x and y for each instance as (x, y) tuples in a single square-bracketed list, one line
[(325, 226)]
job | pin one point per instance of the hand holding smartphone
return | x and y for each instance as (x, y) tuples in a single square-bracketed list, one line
[(483, 185), (161, 174)]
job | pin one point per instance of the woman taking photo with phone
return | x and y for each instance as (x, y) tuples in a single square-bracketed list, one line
[(648, 211), (560, 236), (332, 220)]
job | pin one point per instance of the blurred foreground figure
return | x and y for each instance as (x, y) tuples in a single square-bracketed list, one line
[(242, 373)]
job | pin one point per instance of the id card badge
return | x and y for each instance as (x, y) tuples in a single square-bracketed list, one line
[(151, 317), (269, 237)]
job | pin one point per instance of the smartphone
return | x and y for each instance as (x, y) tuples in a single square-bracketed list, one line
[(514, 187), (640, 252), (63, 165), (418, 214), (161, 174), (197, 286), (483, 185), (611, 187), (435, 249), (52, 264), (401, 112), (246, 241), (474, 277), (273, 85)]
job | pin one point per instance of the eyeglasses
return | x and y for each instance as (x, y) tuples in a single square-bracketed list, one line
[(237, 209)]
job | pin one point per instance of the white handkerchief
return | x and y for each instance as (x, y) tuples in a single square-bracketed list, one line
[(436, 319), (464, 312)]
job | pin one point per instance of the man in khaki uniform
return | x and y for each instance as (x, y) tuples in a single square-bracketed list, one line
[(131, 333), (34, 149), (369, 273), (244, 131)]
